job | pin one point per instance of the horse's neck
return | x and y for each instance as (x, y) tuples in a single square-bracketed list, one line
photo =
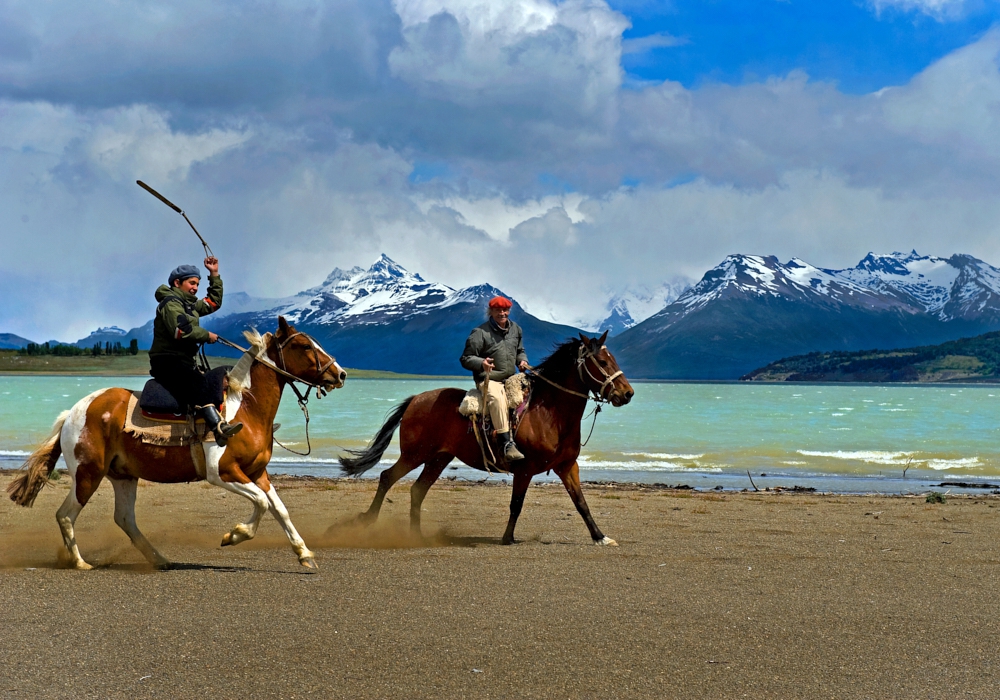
[(564, 403), (264, 395)]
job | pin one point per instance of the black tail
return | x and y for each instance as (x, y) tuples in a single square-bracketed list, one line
[(361, 461)]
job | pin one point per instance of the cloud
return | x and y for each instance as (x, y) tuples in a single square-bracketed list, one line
[(642, 44), (298, 135), (939, 9)]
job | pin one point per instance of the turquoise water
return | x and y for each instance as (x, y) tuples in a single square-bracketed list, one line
[(854, 438)]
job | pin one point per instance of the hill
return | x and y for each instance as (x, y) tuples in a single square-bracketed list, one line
[(967, 359)]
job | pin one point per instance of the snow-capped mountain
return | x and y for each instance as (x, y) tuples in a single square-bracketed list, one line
[(386, 317), (949, 288), (751, 310)]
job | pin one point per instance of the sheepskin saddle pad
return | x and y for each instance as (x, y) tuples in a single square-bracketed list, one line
[(516, 386)]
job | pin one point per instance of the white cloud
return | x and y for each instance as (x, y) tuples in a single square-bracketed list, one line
[(940, 9), (292, 148), (641, 44)]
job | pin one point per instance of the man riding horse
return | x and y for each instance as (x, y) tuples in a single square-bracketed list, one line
[(494, 352), (177, 337)]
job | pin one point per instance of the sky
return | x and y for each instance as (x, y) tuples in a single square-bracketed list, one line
[(562, 151)]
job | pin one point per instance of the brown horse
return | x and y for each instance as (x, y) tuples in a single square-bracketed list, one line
[(91, 435), (432, 432)]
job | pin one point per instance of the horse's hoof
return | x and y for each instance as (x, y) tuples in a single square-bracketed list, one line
[(508, 541), (309, 563), (365, 519), (227, 539), (164, 565), (82, 566), (606, 541)]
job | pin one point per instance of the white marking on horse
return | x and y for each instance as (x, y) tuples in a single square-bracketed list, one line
[(106, 416), (69, 438)]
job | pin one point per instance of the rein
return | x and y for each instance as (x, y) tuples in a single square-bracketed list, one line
[(303, 400)]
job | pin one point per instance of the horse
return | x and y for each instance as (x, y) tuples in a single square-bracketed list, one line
[(92, 438), (432, 433)]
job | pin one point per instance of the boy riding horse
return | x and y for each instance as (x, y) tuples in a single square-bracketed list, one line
[(177, 338)]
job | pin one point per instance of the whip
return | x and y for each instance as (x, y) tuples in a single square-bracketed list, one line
[(143, 185)]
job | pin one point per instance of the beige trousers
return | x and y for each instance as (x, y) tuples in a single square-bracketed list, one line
[(496, 402)]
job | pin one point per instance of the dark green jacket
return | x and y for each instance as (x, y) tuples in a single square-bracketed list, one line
[(176, 332), (506, 347)]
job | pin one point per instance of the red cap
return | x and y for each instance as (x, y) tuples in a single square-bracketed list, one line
[(500, 303)]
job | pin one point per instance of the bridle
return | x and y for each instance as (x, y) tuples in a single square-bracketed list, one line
[(585, 354), (320, 369), (303, 399), (595, 395), (266, 361)]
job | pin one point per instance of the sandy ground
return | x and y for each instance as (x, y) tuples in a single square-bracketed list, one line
[(709, 596)]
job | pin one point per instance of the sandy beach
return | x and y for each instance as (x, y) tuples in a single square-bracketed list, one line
[(709, 595)]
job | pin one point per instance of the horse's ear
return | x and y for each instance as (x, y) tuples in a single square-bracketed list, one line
[(282, 326), (600, 341), (584, 339)]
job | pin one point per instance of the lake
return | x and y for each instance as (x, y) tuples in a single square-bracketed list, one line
[(845, 438)]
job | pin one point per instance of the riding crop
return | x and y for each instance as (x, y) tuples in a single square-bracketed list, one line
[(143, 185)]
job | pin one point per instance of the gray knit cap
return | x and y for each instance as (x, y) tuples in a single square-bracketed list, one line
[(182, 273)]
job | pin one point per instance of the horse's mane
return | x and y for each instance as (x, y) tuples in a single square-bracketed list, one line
[(557, 365), (239, 376), (257, 340)]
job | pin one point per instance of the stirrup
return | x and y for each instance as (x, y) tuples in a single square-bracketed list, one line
[(223, 431)]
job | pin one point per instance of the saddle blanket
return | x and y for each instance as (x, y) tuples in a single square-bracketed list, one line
[(516, 386), (167, 433)]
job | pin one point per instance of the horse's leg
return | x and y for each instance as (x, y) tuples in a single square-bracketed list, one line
[(571, 480), (238, 483), (66, 517), (280, 514), (431, 471), (386, 480), (521, 481), (125, 518), (84, 461)]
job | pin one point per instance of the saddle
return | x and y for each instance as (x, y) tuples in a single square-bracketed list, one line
[(158, 404), (155, 417), (518, 389)]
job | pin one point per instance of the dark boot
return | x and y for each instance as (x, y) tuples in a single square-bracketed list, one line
[(510, 450), (213, 421)]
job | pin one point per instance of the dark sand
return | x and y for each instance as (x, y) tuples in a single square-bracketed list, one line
[(709, 596)]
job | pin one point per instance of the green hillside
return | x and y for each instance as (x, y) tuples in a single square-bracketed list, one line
[(15, 362), (967, 359)]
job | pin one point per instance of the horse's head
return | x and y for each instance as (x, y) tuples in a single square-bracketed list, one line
[(599, 371), (301, 356)]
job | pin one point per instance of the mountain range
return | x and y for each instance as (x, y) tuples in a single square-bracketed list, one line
[(746, 312), (751, 310)]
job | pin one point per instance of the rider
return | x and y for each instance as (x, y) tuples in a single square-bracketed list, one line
[(177, 338), (496, 347)]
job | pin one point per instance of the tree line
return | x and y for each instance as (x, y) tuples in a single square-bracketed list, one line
[(97, 350)]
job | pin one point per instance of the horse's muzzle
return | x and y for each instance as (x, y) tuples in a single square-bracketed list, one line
[(334, 379), (620, 398)]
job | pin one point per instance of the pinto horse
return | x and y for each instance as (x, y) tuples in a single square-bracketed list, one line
[(432, 432), (91, 436)]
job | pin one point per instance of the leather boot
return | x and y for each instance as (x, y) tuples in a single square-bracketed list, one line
[(510, 450), (213, 421)]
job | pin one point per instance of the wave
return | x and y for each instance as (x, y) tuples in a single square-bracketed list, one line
[(609, 465), (870, 456), (944, 464), (14, 453), (661, 455)]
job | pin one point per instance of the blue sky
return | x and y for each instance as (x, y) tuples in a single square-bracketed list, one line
[(564, 151), (841, 41)]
